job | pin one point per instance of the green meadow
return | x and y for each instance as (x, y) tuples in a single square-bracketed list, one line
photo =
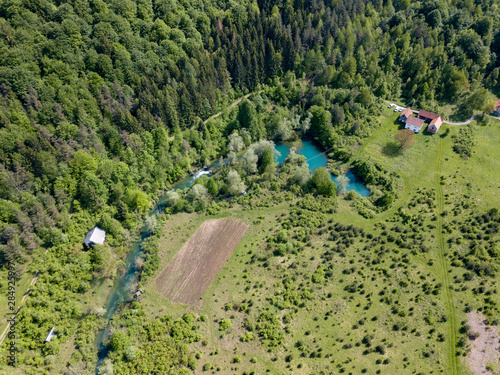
[(353, 295)]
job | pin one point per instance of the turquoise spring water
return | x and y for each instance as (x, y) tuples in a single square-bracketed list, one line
[(316, 159)]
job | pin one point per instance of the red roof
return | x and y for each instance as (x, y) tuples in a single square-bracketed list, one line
[(427, 114), (437, 124), (407, 112), (418, 122)]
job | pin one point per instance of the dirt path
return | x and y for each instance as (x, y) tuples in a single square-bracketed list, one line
[(463, 123), (229, 107), (442, 261), (33, 281), (221, 112), (471, 119)]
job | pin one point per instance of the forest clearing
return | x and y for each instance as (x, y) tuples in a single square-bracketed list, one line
[(195, 265)]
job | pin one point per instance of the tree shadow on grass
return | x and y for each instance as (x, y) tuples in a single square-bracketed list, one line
[(400, 124), (392, 150)]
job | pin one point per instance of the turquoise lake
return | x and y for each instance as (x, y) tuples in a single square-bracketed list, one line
[(316, 159)]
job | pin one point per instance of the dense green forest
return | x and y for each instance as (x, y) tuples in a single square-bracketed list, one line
[(102, 106)]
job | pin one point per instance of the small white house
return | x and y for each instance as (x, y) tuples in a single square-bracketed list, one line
[(51, 335), (414, 124), (95, 236)]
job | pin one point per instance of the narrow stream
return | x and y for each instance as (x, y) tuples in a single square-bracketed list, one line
[(121, 291)]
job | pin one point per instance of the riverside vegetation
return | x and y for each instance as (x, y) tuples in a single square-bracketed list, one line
[(102, 105)]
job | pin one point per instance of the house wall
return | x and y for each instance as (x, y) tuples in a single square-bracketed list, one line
[(412, 128)]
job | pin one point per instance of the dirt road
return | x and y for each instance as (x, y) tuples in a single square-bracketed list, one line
[(228, 107), (470, 120), (13, 318)]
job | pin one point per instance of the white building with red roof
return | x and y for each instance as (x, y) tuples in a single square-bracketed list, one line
[(435, 121), (414, 124), (435, 124)]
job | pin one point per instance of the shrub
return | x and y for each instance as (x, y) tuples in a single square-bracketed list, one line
[(248, 336), (464, 141), (224, 324), (207, 366)]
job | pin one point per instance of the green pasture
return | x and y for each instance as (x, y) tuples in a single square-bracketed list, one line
[(395, 323)]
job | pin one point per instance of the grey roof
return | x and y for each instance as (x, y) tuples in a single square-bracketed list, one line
[(95, 236)]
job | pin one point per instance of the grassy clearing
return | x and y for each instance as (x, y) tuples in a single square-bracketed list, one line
[(389, 298), (21, 288), (6, 314), (324, 325), (417, 165)]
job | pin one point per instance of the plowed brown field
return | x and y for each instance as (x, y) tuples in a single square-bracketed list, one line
[(193, 268)]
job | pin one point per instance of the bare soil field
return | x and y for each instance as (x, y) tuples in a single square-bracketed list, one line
[(485, 350), (193, 268)]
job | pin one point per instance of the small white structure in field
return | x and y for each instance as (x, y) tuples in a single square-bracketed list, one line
[(51, 335), (95, 236)]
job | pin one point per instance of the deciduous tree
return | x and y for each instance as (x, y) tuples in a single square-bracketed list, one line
[(302, 175), (250, 160), (82, 162), (138, 200), (197, 193), (172, 197), (267, 164), (212, 186), (323, 182), (404, 138), (481, 100), (235, 184)]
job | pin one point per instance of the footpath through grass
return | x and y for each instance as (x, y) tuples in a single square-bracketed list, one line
[(443, 262)]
